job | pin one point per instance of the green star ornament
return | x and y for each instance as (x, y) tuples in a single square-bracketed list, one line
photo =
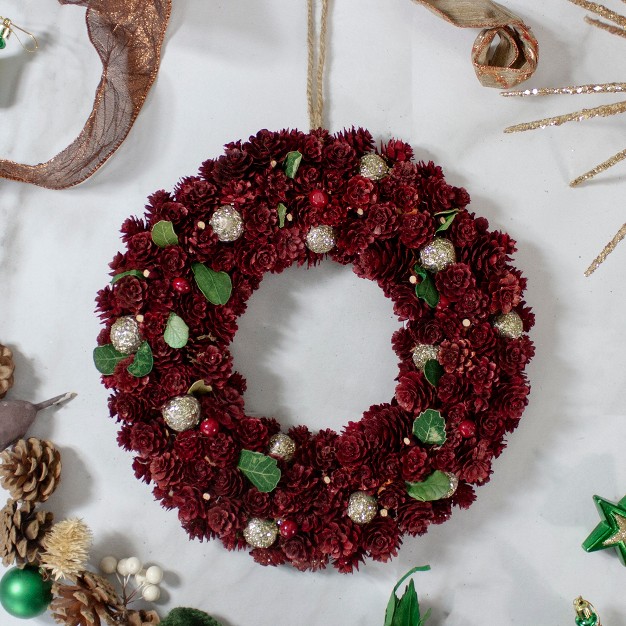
[(611, 532)]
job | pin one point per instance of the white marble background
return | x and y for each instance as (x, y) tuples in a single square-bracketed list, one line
[(229, 69)]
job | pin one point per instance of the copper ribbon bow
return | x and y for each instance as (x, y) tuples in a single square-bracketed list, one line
[(127, 34), (513, 60)]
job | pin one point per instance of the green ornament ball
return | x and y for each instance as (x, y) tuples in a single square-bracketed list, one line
[(24, 593)]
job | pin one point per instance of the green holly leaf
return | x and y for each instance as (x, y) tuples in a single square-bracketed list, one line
[(216, 286), (262, 471), (200, 387), (448, 218), (282, 212), (163, 234), (292, 163), (117, 277), (430, 427), (106, 358), (426, 289), (176, 333), (182, 616), (142, 364), (433, 371), (435, 487), (405, 611)]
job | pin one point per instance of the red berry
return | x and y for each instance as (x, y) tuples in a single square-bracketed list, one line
[(288, 528), (210, 427), (181, 285), (467, 429), (318, 198)]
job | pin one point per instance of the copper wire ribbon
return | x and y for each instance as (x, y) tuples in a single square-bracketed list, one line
[(513, 60), (127, 35)]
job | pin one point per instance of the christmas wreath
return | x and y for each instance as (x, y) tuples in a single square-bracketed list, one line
[(190, 265)]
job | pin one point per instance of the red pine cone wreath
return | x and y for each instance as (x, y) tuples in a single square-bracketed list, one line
[(200, 252)]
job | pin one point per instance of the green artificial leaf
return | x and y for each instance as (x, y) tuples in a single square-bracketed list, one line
[(163, 234), (176, 333), (292, 163), (423, 619), (106, 358), (262, 471), (448, 218), (282, 212), (216, 286), (181, 616), (117, 277), (142, 364), (430, 427), (396, 617), (433, 371), (435, 487), (200, 387), (426, 289)]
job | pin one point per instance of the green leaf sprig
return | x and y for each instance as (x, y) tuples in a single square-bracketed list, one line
[(121, 275), (405, 611), (435, 487), (426, 289), (163, 234), (292, 163), (261, 470), (448, 218), (106, 358), (430, 427), (176, 333), (433, 371), (216, 286)]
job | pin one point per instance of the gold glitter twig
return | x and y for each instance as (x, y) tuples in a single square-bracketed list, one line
[(605, 110), (574, 90), (614, 30), (602, 11), (621, 233), (602, 167)]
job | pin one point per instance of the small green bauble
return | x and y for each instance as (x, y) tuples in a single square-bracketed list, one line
[(24, 593), (3, 43)]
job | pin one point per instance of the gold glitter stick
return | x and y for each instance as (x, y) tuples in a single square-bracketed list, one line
[(602, 11), (614, 30), (602, 167), (577, 116), (621, 233), (568, 91)]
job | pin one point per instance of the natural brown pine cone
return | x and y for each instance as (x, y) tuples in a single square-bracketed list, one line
[(143, 618), (31, 470), (6, 370), (91, 601), (22, 530)]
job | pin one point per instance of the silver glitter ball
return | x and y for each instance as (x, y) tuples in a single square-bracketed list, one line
[(373, 167), (282, 446), (227, 223), (423, 353), (321, 239), (182, 413), (454, 483), (362, 508), (260, 533), (438, 254), (125, 335), (509, 325)]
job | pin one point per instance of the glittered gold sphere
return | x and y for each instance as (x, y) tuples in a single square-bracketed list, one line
[(182, 413), (437, 255), (321, 239), (227, 223), (260, 533), (362, 508), (509, 325), (423, 353), (454, 483), (125, 335), (373, 167), (282, 446)]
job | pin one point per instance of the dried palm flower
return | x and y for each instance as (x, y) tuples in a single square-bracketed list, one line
[(66, 549)]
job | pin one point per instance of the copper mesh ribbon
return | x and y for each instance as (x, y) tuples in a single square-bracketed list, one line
[(127, 35), (505, 64)]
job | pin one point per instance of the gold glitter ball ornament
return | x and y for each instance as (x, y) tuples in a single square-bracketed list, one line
[(321, 239), (454, 483), (227, 223), (509, 325), (282, 446), (125, 335), (373, 167), (182, 413), (437, 255), (362, 508), (260, 533), (423, 353)]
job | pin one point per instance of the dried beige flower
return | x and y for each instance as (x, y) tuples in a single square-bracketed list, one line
[(66, 549)]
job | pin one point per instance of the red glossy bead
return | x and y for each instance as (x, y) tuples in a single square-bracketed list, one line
[(288, 528), (467, 429), (318, 198), (210, 427), (181, 285)]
